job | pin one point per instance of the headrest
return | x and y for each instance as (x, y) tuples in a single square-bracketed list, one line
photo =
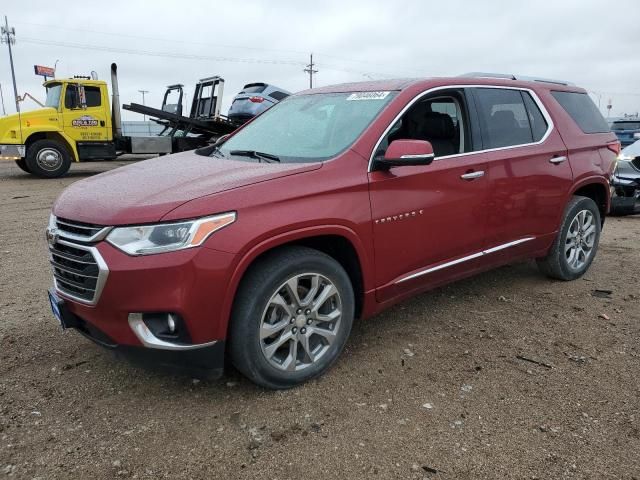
[(504, 118), (439, 126)]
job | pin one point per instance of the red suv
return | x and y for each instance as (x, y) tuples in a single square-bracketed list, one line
[(332, 205)]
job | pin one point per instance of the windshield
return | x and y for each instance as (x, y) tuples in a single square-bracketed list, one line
[(53, 95), (309, 128), (625, 126)]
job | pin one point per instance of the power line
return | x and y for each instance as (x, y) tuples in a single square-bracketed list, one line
[(208, 44), (111, 49), (249, 60)]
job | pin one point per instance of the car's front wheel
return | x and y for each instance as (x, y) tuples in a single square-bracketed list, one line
[(577, 242), (291, 318)]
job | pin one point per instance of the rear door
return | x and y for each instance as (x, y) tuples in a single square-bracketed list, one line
[(529, 173)]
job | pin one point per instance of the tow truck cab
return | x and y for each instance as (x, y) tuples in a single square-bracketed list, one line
[(75, 124)]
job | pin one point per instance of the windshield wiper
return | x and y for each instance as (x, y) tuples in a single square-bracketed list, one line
[(258, 155)]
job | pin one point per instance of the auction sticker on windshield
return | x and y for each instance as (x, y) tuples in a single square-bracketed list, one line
[(367, 96)]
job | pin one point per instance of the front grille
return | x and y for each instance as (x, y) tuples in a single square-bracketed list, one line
[(636, 162), (75, 270), (78, 230)]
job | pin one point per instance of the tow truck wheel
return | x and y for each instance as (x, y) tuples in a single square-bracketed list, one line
[(22, 163), (48, 159)]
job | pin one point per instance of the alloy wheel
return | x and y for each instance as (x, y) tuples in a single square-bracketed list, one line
[(580, 240), (301, 322)]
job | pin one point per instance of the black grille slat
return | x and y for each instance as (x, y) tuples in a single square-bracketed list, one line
[(75, 270)]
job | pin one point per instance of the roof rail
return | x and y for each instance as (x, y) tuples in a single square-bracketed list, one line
[(510, 76)]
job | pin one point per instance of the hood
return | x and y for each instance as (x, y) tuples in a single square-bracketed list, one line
[(146, 191), (10, 124)]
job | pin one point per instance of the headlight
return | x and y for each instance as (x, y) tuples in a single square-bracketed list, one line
[(167, 237)]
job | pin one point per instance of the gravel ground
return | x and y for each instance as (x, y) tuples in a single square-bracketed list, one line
[(505, 375)]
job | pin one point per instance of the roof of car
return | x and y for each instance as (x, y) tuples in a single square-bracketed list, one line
[(404, 83)]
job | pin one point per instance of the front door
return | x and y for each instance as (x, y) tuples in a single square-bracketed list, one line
[(88, 124), (428, 219)]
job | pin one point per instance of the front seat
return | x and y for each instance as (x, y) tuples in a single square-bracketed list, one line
[(440, 131)]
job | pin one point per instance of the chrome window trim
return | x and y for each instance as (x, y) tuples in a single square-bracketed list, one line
[(103, 273), (463, 259), (534, 96)]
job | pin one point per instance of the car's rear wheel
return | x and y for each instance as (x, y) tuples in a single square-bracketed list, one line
[(291, 318), (577, 242), (48, 159)]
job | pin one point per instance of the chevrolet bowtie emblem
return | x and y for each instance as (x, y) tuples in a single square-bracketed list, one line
[(52, 236)]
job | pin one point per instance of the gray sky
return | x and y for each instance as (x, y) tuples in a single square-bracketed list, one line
[(592, 43)]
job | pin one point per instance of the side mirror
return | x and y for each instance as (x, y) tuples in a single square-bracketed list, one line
[(404, 153)]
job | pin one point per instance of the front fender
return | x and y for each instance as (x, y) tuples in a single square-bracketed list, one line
[(248, 255), (53, 133)]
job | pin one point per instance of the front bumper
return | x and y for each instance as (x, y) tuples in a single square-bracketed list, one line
[(191, 284), (12, 152)]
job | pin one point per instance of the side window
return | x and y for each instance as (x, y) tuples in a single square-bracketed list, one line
[(503, 118), (93, 97), (70, 96), (583, 111), (536, 119), (278, 95), (438, 119)]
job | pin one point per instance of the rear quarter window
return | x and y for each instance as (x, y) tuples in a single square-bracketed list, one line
[(583, 111), (278, 95), (254, 88)]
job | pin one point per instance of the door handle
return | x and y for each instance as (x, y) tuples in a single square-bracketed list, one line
[(558, 160), (472, 175)]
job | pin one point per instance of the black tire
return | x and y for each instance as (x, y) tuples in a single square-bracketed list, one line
[(23, 165), (556, 264), (41, 150), (264, 280)]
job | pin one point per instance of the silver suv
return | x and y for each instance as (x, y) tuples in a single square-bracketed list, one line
[(254, 99)]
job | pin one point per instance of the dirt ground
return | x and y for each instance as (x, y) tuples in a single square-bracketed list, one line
[(505, 375)]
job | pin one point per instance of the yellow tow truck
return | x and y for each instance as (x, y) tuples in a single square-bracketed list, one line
[(76, 124)]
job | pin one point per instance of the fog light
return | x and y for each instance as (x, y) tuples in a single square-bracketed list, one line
[(171, 324)]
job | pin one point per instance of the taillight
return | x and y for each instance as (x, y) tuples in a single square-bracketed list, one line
[(256, 99), (615, 147)]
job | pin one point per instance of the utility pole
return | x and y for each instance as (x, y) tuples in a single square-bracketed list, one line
[(144, 117), (310, 70), (9, 36), (4, 112)]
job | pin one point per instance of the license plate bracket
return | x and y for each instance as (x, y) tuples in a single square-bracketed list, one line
[(59, 310)]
